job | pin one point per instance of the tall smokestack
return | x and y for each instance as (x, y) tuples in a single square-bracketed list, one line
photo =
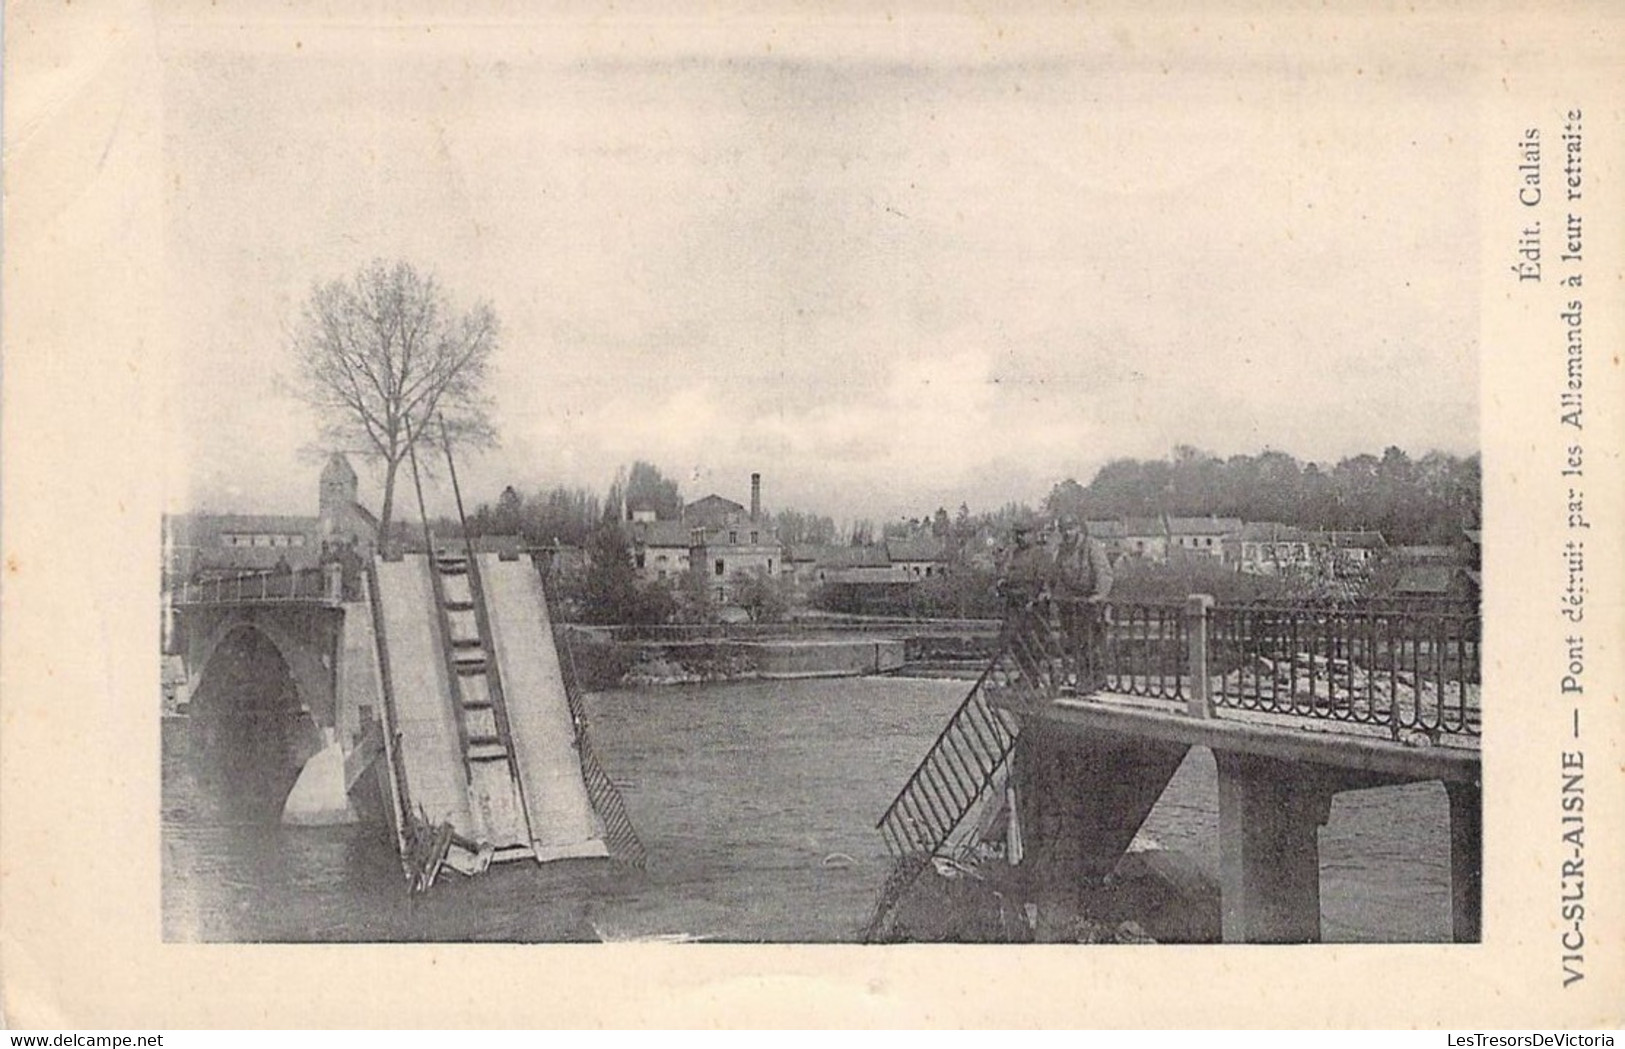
[(755, 496)]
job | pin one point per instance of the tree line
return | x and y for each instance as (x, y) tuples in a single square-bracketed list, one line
[(1429, 499), (1409, 500)]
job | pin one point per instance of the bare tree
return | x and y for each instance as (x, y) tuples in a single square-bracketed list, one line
[(384, 356)]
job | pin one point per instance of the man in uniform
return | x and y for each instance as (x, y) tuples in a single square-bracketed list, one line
[(1083, 582), (1026, 570)]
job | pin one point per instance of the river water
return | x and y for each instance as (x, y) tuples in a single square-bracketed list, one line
[(757, 803)]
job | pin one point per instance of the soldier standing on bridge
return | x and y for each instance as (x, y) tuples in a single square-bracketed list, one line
[(1026, 572), (1083, 581)]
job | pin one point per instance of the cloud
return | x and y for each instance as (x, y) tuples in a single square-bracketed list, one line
[(881, 283)]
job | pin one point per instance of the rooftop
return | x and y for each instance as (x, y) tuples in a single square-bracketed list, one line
[(662, 533), (923, 549), (1203, 525), (1426, 579), (854, 557), (1271, 532)]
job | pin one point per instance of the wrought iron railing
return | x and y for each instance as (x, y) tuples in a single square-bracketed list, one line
[(962, 766), (1146, 650), (1402, 669)]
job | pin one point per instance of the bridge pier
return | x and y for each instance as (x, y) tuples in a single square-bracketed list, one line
[(1082, 799), (1466, 861), (1087, 774), (1270, 815), (320, 796)]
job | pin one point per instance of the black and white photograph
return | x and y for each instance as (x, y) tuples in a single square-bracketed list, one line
[(871, 497), (847, 478)]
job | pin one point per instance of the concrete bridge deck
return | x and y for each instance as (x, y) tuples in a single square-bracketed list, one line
[(1283, 737)]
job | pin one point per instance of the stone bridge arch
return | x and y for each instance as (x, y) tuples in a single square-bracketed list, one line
[(262, 699), (305, 637)]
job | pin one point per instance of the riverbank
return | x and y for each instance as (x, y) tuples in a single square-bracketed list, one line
[(605, 661)]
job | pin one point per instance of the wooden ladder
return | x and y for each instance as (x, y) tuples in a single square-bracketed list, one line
[(482, 716)]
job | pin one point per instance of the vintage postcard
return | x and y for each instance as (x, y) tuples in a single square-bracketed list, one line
[(755, 515)]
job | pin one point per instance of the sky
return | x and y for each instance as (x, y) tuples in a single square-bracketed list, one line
[(889, 263)]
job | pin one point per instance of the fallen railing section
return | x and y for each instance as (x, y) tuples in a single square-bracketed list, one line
[(619, 834), (962, 766)]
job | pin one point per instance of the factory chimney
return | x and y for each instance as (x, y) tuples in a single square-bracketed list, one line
[(755, 496)]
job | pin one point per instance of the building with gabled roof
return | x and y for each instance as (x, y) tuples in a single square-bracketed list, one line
[(660, 549), (918, 558), (725, 539), (1144, 538), (1200, 536), (1436, 582), (1270, 548), (713, 511)]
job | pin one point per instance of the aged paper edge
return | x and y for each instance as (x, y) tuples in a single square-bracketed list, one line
[(80, 942)]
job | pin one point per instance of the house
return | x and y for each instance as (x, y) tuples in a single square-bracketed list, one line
[(1110, 534), (1431, 554), (714, 511), (920, 558), (800, 565), (1441, 571), (1358, 547), (861, 580), (1269, 548), (1200, 536), (743, 547), (202, 546), (660, 549), (1144, 538), (1436, 582), (847, 565), (725, 539)]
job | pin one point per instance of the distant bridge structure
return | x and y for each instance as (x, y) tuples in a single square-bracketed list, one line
[(429, 686)]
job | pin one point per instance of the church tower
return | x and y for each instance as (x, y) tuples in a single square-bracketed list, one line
[(338, 491)]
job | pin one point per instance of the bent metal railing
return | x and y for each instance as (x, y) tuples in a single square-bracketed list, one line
[(620, 836), (963, 764), (964, 768)]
